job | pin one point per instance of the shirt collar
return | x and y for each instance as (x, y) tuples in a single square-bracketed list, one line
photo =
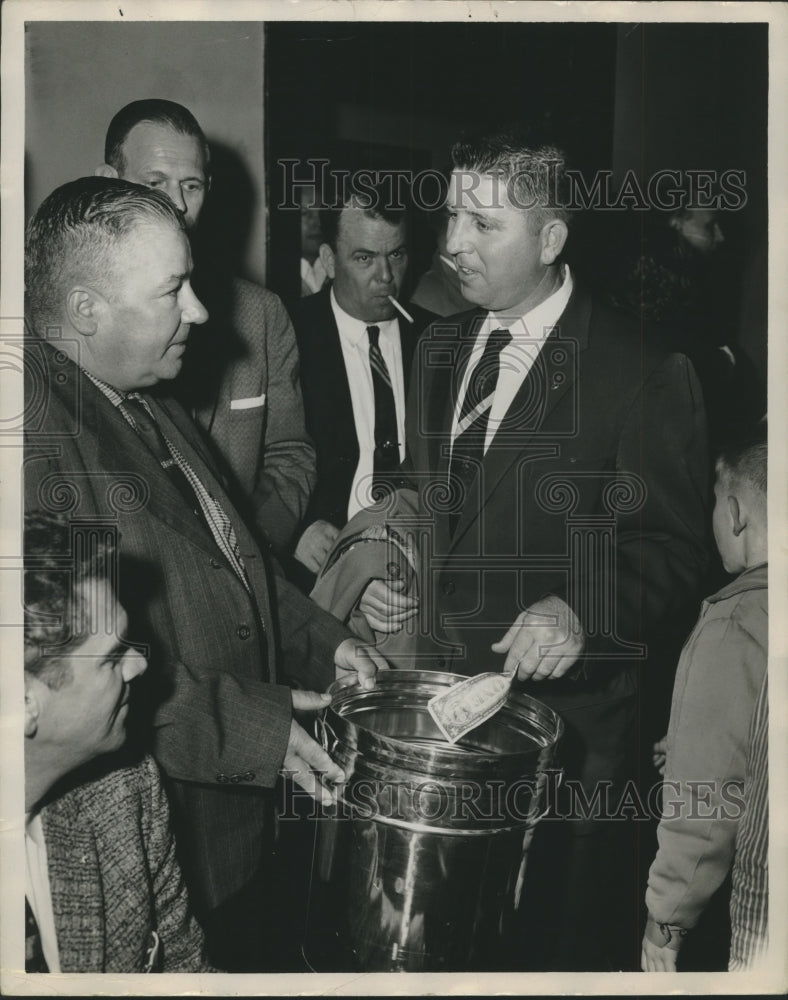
[(755, 578), (34, 828), (115, 396), (353, 330), (541, 318)]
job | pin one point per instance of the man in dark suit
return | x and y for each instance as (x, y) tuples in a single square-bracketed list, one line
[(562, 468), (356, 351), (103, 888), (108, 293), (240, 376)]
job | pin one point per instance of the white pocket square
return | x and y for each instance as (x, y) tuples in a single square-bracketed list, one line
[(247, 404)]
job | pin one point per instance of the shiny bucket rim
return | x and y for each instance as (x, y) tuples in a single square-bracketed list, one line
[(540, 715)]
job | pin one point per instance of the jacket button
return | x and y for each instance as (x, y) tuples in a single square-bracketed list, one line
[(244, 631), (222, 778), (249, 776), (449, 588), (235, 779), (215, 563)]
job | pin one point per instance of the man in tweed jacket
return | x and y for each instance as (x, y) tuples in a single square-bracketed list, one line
[(107, 269), (240, 378), (104, 889)]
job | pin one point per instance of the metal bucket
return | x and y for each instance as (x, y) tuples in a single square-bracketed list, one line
[(422, 861)]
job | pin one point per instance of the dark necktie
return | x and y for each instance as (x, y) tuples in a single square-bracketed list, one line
[(468, 449), (148, 429), (386, 456), (34, 953)]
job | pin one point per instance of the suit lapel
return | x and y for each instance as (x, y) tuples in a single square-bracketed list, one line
[(550, 379), (444, 391), (121, 451), (333, 374), (173, 417)]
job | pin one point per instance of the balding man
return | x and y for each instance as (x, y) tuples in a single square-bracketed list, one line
[(240, 378)]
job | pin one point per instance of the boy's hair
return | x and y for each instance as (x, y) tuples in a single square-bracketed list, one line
[(59, 563), (742, 459), (156, 112)]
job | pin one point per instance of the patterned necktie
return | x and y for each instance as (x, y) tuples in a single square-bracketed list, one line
[(468, 449), (386, 457), (202, 503), (34, 952), (148, 429)]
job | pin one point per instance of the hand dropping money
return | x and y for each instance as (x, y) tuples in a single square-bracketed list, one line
[(469, 703)]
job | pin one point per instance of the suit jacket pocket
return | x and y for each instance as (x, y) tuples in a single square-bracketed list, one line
[(248, 403)]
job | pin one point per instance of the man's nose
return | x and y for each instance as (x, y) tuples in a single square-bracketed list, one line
[(134, 664), (719, 236), (384, 271), (192, 310), (176, 196), (456, 236)]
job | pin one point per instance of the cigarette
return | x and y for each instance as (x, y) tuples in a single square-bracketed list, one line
[(396, 305), (449, 261)]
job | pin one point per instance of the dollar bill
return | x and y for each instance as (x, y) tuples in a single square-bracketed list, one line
[(468, 704)]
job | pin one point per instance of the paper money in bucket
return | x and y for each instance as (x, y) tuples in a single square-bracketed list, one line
[(469, 703)]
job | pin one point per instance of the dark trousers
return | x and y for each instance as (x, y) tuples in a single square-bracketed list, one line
[(582, 901), (261, 927)]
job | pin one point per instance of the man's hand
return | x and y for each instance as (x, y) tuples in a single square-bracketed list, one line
[(660, 947), (365, 661), (659, 754), (544, 641), (385, 607), (315, 544), (304, 755)]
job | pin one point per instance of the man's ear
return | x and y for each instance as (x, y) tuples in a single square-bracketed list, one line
[(83, 307), (327, 260), (553, 235), (738, 516), (105, 170), (32, 705)]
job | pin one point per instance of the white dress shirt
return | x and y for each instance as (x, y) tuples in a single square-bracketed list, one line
[(37, 890), (529, 333), (355, 352)]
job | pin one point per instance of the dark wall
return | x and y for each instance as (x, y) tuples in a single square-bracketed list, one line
[(397, 95), (694, 96), (79, 73)]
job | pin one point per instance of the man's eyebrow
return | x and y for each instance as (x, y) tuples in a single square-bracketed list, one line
[(175, 279), (377, 253), (476, 214), (163, 175), (118, 650)]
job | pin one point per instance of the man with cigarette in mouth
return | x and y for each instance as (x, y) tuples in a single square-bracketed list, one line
[(356, 343)]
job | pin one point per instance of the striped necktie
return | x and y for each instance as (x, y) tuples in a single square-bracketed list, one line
[(468, 449), (386, 456)]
